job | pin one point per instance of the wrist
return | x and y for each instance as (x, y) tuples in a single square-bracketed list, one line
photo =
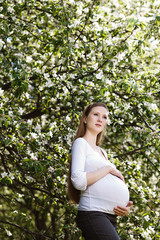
[(108, 169)]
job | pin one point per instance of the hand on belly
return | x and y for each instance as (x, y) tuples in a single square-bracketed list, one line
[(123, 211)]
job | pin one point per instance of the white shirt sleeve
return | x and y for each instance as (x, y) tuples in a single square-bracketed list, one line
[(78, 174)]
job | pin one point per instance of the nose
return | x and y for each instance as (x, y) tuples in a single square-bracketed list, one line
[(100, 119)]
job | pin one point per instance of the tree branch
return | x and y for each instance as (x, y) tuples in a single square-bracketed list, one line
[(3, 162), (6, 86), (130, 152), (25, 230), (135, 151), (142, 117), (36, 113)]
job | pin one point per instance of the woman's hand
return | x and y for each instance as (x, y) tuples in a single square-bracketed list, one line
[(117, 173), (123, 211)]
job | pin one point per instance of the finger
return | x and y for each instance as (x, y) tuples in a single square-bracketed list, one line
[(121, 214), (121, 208), (121, 211), (129, 204), (121, 177)]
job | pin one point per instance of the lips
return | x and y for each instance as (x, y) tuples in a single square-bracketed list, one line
[(98, 125)]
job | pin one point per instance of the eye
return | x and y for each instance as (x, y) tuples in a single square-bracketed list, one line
[(96, 114), (105, 117)]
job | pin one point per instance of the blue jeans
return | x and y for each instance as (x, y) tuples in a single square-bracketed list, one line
[(97, 225)]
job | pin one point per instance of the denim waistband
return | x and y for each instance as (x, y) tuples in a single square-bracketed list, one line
[(80, 212)]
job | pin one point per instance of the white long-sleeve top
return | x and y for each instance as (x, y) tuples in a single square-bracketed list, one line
[(105, 194)]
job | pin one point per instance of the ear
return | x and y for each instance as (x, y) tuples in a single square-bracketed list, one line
[(84, 120)]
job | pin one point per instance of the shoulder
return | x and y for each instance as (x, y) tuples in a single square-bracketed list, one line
[(80, 143)]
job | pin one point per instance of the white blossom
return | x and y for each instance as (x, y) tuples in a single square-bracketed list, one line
[(51, 169), (38, 128), (29, 59), (153, 106), (147, 217), (29, 178), (33, 156), (53, 125), (79, 11), (4, 174), (108, 121), (147, 233), (68, 119), (20, 1), (1, 43), (20, 197), (16, 212), (34, 135), (50, 134), (1, 91), (11, 176), (27, 95), (108, 82), (52, 59), (30, 121), (21, 110), (8, 232), (49, 83), (86, 10), (71, 1), (99, 75), (41, 149), (95, 66)]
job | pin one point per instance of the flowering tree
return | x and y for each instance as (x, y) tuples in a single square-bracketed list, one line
[(56, 57)]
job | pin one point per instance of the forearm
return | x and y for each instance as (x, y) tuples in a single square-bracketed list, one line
[(94, 176)]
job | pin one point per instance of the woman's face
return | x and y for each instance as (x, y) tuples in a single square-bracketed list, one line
[(96, 119)]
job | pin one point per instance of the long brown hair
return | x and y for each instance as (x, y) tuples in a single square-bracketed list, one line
[(73, 193)]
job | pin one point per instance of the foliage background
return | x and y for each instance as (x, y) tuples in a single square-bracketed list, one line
[(56, 57)]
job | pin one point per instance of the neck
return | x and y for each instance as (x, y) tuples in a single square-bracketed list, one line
[(90, 138)]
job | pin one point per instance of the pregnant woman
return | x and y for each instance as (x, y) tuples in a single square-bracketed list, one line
[(95, 183)]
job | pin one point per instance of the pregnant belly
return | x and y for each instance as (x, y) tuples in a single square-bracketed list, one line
[(112, 189)]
